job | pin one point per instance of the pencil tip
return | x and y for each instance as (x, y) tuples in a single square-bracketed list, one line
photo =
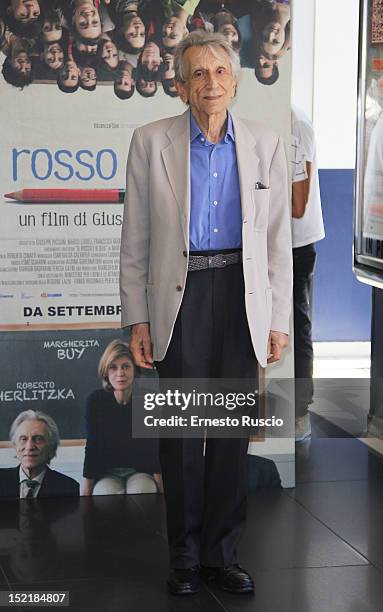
[(9, 195)]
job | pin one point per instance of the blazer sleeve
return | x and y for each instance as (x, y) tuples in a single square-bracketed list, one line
[(279, 245), (134, 251)]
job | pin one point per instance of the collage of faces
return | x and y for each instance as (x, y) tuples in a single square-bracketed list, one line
[(130, 44)]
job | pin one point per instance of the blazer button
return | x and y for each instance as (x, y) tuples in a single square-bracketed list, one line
[(179, 288), (185, 253)]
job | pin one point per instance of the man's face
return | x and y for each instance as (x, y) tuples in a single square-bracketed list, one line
[(266, 66), (110, 54), (209, 83), (25, 11), (71, 74), (273, 38), (54, 56), (169, 66), (173, 31), (52, 31), (86, 20), (134, 33), (229, 32), (88, 76), (22, 63), (32, 444), (151, 56), (121, 374), (124, 81), (148, 87)]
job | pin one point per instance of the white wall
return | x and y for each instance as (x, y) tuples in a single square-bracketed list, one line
[(325, 60), (303, 34)]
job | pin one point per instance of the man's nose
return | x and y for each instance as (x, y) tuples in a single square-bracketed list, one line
[(30, 443), (211, 79)]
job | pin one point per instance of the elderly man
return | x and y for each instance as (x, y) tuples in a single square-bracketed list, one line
[(36, 438), (206, 283)]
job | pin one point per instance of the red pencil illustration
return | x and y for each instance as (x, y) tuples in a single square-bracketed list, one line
[(67, 196)]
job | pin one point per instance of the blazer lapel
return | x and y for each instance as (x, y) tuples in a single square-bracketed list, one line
[(247, 161), (176, 158)]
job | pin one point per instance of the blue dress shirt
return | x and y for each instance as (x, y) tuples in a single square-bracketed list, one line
[(215, 212)]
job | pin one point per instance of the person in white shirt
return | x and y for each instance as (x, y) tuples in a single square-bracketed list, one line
[(307, 229)]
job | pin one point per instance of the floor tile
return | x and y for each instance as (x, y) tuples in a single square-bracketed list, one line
[(335, 589), (279, 533), (133, 593), (101, 537), (154, 510), (3, 579), (329, 459), (352, 510)]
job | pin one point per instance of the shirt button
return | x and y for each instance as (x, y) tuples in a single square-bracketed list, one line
[(179, 288), (215, 230), (215, 202), (202, 140), (215, 174)]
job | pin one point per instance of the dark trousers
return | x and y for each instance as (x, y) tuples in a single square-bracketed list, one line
[(206, 494), (304, 264)]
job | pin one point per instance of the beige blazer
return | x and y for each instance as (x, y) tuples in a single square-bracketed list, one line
[(155, 231)]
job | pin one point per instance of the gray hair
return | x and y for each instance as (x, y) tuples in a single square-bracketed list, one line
[(214, 41), (36, 415)]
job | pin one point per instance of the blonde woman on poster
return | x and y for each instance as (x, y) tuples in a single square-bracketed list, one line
[(112, 456)]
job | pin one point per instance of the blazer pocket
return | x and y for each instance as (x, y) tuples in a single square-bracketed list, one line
[(261, 200)]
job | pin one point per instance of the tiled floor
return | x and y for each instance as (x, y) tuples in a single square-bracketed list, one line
[(315, 548)]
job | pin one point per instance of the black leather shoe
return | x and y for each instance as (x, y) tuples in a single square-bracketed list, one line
[(233, 578), (184, 581)]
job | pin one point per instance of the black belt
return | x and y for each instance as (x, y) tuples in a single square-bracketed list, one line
[(220, 260)]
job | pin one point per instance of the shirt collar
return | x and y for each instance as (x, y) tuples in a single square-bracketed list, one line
[(22, 476), (196, 131)]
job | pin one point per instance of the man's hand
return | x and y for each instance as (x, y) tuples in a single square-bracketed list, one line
[(141, 346), (277, 342)]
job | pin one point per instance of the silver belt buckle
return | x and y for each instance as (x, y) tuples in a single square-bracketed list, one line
[(209, 261)]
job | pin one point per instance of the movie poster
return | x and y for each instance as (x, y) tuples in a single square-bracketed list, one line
[(76, 78)]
